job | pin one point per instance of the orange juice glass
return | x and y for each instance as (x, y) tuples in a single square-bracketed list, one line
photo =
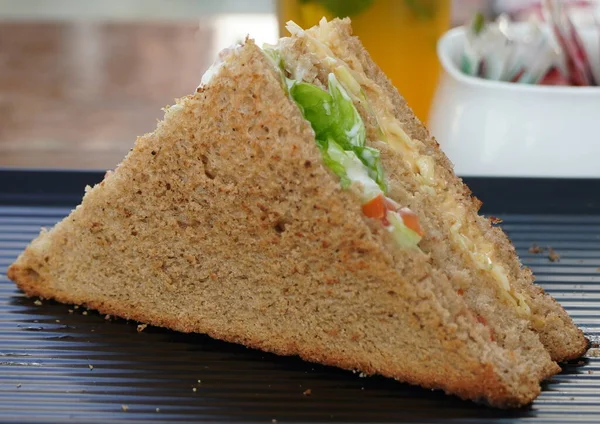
[(400, 35)]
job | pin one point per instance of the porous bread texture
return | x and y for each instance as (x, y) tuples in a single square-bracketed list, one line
[(560, 336), (510, 330), (224, 221)]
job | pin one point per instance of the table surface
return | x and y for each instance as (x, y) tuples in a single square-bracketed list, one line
[(59, 363)]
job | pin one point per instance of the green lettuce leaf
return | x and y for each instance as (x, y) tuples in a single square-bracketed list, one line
[(335, 165), (403, 235), (274, 56), (371, 158), (354, 169), (317, 106), (333, 116), (350, 129)]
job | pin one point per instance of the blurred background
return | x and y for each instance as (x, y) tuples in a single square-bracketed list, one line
[(80, 79)]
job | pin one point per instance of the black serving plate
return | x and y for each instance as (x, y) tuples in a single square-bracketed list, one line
[(60, 364)]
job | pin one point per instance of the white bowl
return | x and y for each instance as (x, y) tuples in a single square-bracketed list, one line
[(491, 128)]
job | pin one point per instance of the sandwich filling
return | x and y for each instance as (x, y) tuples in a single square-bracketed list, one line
[(340, 135), (353, 82)]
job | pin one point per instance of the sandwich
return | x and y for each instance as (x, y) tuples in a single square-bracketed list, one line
[(295, 204)]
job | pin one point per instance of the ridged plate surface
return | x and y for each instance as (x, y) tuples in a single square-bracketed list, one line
[(60, 364)]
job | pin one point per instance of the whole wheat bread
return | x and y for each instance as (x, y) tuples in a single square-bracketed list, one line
[(555, 328), (224, 221), (509, 329)]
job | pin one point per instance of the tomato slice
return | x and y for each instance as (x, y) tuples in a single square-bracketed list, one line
[(375, 208), (378, 206), (411, 220)]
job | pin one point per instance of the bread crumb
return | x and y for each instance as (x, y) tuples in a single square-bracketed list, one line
[(38, 302), (57, 320), (598, 269), (495, 220), (125, 408), (70, 311), (362, 375), (199, 381), (194, 389), (19, 386), (593, 353), (107, 317), (76, 307), (535, 249), (84, 313), (157, 409), (91, 367), (307, 392), (595, 344), (141, 327), (552, 254), (590, 372), (273, 420)]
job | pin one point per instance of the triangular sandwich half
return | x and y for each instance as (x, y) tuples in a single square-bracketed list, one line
[(263, 211), (476, 256)]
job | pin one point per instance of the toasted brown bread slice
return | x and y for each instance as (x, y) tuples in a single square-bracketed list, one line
[(224, 221), (555, 328), (510, 330)]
